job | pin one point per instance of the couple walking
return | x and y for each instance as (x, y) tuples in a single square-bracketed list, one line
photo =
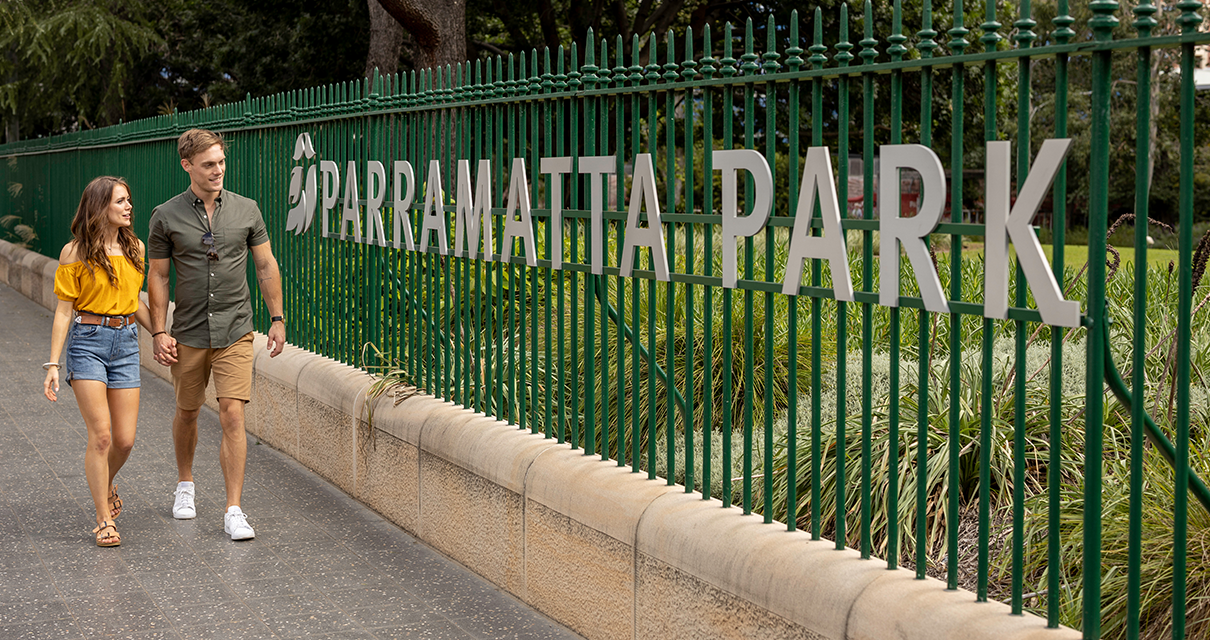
[(206, 232)]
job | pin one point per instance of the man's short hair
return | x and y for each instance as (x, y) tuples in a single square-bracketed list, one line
[(195, 141)]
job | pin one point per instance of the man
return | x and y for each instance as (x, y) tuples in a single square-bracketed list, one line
[(207, 233)]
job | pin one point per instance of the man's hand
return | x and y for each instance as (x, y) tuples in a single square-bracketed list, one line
[(277, 339), (165, 349)]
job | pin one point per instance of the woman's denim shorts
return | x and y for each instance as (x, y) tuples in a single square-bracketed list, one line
[(97, 352)]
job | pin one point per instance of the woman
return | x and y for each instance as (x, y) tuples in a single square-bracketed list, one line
[(99, 277)]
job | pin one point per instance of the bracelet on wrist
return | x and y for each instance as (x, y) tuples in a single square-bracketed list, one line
[(158, 333), (48, 365)]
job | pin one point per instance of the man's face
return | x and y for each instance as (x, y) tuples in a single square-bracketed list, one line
[(206, 170)]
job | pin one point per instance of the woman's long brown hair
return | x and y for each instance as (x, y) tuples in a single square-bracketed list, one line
[(91, 221)]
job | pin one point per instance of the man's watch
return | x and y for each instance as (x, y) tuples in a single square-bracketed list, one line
[(281, 319)]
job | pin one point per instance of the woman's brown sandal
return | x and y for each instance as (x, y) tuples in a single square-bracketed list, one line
[(115, 503), (107, 534)]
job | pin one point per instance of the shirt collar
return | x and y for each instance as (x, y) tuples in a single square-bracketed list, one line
[(196, 201)]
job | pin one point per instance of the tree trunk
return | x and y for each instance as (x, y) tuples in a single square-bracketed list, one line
[(438, 29), (12, 129), (386, 41)]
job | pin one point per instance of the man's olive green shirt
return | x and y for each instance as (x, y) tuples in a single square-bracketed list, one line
[(213, 303)]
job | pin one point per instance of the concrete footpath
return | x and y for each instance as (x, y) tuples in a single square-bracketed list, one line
[(321, 566)]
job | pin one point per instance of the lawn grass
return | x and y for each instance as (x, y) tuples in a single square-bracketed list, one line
[(1077, 254)]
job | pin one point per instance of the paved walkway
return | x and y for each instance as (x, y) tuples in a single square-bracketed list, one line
[(322, 565)]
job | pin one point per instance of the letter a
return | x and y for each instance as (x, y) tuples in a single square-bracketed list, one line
[(643, 196), (518, 203), (351, 204), (817, 178), (434, 211)]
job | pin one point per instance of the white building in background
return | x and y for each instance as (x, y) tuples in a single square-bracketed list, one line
[(1201, 75)]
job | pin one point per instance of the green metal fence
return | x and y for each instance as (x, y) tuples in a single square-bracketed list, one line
[(894, 429)]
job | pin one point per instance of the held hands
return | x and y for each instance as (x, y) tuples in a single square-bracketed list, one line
[(164, 347), (50, 387)]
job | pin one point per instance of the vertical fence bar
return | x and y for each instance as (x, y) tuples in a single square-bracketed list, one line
[(590, 278), (554, 244), (1189, 20), (560, 141), (728, 71), (868, 55), (708, 94), (1024, 38), (794, 61), (601, 283), (1102, 23), (817, 59), (770, 66), (896, 51), (670, 76), (619, 115), (688, 73), (842, 316), (573, 116), (1063, 34), (653, 141), (957, 44), (639, 429), (749, 69), (1143, 23), (990, 88)]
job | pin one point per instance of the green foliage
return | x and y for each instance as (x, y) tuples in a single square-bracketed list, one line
[(1156, 493), (70, 62)]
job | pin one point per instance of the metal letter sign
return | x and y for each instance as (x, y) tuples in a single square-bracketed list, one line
[(473, 210)]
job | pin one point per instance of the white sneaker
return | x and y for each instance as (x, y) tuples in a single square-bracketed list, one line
[(183, 508), (235, 522)]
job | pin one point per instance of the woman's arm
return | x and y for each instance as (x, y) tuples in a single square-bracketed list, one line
[(58, 331), (58, 335), (142, 315)]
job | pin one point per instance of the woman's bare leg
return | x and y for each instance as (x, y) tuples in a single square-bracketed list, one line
[(93, 399), (124, 418)]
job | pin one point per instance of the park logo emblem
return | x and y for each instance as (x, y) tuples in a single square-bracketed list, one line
[(303, 199)]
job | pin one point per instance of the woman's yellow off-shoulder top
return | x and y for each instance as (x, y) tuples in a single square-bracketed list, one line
[(91, 291)]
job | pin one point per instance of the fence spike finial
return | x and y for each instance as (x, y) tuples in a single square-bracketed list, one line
[(771, 56), (794, 52), (671, 67), (573, 76), (729, 69), (818, 48), (897, 38), (749, 67), (869, 52), (843, 45), (708, 60), (689, 65), (926, 43)]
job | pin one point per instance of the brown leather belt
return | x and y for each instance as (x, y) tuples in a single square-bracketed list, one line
[(115, 322)]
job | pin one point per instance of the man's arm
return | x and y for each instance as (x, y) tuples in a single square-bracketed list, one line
[(157, 294), (269, 277)]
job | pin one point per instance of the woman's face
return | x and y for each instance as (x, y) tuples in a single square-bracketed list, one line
[(120, 208)]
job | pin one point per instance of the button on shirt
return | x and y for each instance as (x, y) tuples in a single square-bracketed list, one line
[(213, 302)]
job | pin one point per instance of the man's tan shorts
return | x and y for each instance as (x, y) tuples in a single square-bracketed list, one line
[(232, 367)]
